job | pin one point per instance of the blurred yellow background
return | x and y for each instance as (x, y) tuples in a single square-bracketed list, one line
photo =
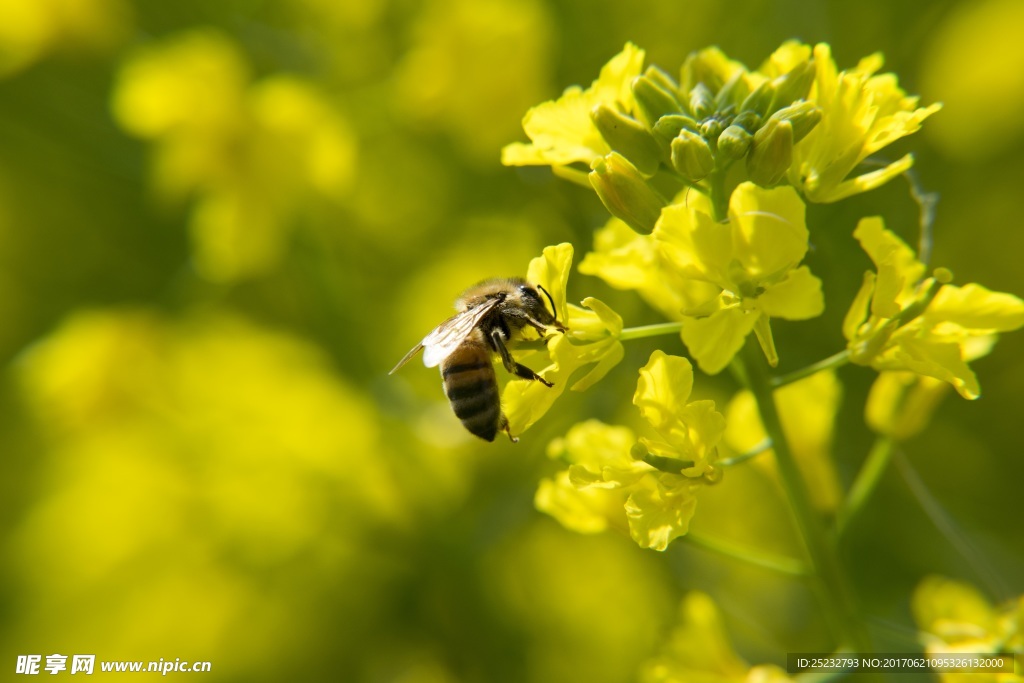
[(222, 223)]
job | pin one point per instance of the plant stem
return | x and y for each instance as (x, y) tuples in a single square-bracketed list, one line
[(716, 192), (757, 450), (650, 331), (867, 479), (834, 361), (831, 584), (777, 563)]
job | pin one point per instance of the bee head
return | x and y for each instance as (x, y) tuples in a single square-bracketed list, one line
[(530, 300)]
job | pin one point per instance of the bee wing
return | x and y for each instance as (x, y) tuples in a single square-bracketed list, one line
[(447, 336), (407, 358)]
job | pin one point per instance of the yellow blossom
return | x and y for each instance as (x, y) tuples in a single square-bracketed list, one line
[(690, 431), (753, 263), (862, 112), (562, 132), (582, 497), (627, 260), (592, 338), (604, 487), (648, 487), (899, 321)]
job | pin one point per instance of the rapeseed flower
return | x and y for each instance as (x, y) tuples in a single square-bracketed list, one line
[(861, 113), (753, 263), (591, 339), (647, 487), (901, 320)]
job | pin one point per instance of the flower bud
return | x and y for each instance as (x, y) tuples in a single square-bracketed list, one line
[(760, 100), (668, 127), (710, 129), (662, 80), (803, 116), (653, 100), (627, 136), (691, 156), (734, 91), (794, 85), (702, 102), (771, 153), (734, 142), (748, 121), (625, 193)]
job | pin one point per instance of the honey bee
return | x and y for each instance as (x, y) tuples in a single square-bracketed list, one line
[(489, 315)]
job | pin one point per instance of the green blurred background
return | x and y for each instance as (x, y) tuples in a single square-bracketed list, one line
[(222, 223)]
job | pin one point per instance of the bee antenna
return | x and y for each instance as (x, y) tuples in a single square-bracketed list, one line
[(548, 295)]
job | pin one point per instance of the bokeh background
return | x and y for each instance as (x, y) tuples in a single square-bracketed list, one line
[(222, 223)]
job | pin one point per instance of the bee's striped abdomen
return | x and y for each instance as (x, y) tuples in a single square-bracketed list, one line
[(472, 389)]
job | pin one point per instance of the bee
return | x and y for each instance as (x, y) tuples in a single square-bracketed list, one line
[(489, 315)]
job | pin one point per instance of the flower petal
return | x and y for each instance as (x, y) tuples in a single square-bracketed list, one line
[(976, 308), (798, 297), (660, 511), (562, 131), (663, 388), (694, 244), (551, 271), (714, 340), (769, 234), (859, 309)]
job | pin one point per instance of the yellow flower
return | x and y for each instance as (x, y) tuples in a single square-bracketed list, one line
[(584, 497), (861, 114), (608, 484), (899, 321), (698, 649), (690, 431), (605, 487), (627, 260), (753, 263), (955, 618), (562, 131), (592, 339)]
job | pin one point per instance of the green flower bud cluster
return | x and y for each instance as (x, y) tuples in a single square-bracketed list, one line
[(712, 120)]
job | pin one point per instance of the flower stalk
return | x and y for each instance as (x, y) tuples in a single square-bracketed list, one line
[(834, 361), (829, 580), (867, 479), (650, 331), (775, 563)]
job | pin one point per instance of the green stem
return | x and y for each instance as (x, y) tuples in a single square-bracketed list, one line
[(719, 199), (834, 361), (867, 479), (760, 448), (650, 331), (832, 587), (777, 563)]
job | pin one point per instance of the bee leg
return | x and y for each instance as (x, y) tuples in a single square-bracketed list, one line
[(510, 364), (503, 426)]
